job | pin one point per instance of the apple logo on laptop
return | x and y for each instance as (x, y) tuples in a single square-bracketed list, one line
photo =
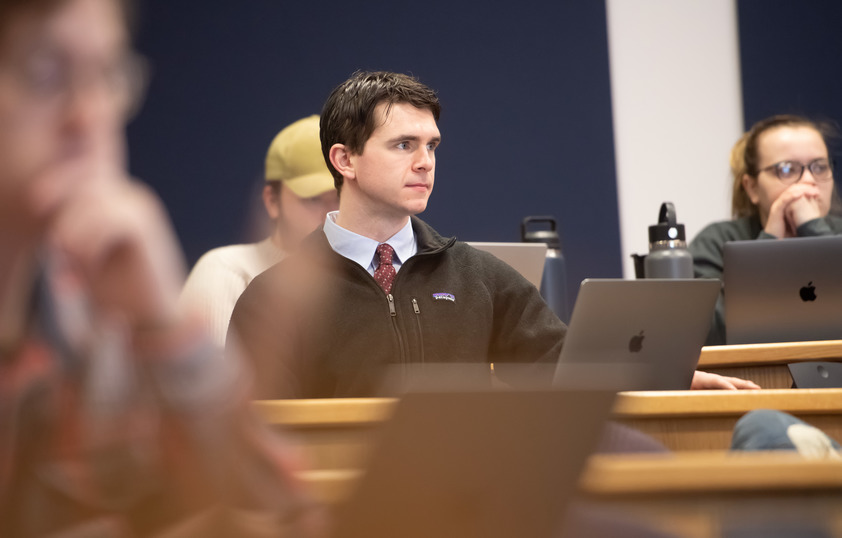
[(808, 292), (636, 342)]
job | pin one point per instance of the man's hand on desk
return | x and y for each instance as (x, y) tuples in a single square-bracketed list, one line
[(708, 381)]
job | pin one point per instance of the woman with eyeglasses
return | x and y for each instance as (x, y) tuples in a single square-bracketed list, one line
[(783, 187)]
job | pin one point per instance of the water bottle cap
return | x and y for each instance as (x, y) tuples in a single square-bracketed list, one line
[(550, 237), (666, 229)]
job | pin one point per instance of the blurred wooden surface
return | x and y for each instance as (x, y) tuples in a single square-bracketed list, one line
[(704, 420), (690, 494), (336, 433)]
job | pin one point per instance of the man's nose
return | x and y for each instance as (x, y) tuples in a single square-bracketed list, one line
[(424, 159)]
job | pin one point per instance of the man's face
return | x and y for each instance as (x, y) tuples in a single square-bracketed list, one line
[(395, 171), (64, 93)]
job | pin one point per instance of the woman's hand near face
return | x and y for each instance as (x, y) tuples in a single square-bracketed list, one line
[(804, 209), (796, 205)]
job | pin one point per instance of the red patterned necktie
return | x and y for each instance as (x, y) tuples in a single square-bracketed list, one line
[(385, 273)]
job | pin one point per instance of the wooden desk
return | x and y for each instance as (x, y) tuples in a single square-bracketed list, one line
[(336, 433), (333, 433), (693, 494), (704, 420), (766, 364), (700, 494)]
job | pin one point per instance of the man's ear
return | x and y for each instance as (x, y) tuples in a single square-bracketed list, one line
[(340, 158), (272, 200), (750, 186)]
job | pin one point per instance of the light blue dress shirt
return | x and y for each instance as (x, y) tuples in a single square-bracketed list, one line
[(361, 249)]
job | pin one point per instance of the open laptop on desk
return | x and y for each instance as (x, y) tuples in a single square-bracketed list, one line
[(783, 290), (527, 258), (475, 464), (653, 329)]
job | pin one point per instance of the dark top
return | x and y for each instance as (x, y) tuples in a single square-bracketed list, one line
[(708, 248), (318, 325)]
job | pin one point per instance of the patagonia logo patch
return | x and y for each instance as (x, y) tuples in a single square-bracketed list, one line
[(444, 297)]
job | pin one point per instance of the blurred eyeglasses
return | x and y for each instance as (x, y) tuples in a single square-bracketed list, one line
[(50, 79), (790, 172)]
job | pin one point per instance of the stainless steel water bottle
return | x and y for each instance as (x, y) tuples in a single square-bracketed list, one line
[(554, 280), (668, 255)]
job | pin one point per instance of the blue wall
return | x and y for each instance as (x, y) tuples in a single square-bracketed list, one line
[(526, 120), (789, 55)]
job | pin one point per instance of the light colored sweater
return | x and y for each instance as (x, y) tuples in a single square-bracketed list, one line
[(220, 277)]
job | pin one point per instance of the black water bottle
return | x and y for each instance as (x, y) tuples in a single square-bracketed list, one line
[(554, 279), (668, 255)]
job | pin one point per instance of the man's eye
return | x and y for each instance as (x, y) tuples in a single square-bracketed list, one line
[(403, 145)]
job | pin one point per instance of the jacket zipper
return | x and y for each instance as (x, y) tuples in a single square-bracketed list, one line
[(417, 311), (394, 315), (391, 300)]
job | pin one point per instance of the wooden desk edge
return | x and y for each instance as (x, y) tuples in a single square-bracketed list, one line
[(355, 412), (721, 402), (765, 354), (328, 412), (653, 474), (701, 472)]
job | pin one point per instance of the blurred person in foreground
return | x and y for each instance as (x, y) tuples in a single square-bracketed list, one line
[(377, 287), (117, 418), (297, 195)]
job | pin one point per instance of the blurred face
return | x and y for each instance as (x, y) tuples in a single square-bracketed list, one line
[(64, 92), (798, 144), (296, 217), (394, 174)]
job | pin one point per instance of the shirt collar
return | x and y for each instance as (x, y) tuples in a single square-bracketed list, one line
[(361, 249)]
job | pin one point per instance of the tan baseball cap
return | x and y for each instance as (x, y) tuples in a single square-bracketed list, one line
[(295, 157)]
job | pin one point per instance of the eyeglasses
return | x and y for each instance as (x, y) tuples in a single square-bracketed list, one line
[(790, 172), (50, 79)]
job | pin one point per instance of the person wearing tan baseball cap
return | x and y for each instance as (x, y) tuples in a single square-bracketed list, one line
[(299, 191)]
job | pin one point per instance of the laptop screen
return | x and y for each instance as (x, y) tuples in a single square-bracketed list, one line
[(476, 464), (527, 258), (648, 332), (783, 290)]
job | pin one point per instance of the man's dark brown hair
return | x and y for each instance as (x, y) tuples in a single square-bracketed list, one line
[(348, 115)]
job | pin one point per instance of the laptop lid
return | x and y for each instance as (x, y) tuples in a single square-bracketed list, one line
[(653, 329), (476, 463), (527, 258), (783, 291)]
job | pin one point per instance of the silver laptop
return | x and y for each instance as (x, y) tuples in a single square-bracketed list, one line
[(476, 464), (648, 332), (783, 291), (527, 258)]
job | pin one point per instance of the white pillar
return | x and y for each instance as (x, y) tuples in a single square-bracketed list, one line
[(677, 109)]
